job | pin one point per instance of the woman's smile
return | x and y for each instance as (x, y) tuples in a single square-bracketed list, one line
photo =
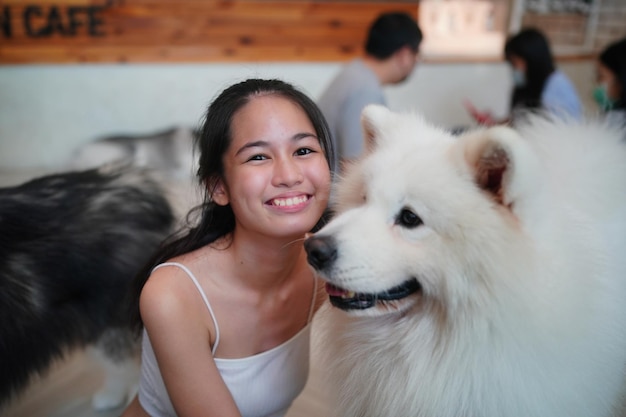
[(290, 202)]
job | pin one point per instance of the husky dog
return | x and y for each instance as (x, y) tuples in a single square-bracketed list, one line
[(169, 152), (70, 245), (477, 276)]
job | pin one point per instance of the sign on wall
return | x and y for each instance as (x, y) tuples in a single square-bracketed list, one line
[(70, 31)]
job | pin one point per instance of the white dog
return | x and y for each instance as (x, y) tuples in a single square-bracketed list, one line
[(477, 276)]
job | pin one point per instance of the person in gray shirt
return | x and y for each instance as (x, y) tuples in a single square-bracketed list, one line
[(391, 52)]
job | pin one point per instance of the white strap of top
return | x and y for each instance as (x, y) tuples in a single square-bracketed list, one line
[(312, 308), (206, 301)]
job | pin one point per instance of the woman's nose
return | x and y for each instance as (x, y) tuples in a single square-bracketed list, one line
[(287, 172)]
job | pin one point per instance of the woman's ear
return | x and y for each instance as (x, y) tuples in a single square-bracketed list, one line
[(219, 193)]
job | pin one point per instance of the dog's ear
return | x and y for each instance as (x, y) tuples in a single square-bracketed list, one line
[(373, 118), (502, 163)]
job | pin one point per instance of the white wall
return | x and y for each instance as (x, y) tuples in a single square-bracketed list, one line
[(47, 111)]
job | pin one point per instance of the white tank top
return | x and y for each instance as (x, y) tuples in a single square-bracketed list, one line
[(263, 385)]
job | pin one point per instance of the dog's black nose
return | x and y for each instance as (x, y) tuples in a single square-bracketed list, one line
[(321, 251)]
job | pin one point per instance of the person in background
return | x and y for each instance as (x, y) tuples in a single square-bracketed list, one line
[(610, 93), (226, 306), (391, 52), (537, 83)]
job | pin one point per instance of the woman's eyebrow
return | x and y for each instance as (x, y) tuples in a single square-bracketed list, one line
[(303, 135), (255, 144), (263, 144)]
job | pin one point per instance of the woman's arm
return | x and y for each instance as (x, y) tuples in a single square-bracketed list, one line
[(176, 320)]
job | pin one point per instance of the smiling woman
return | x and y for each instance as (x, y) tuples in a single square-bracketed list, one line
[(226, 305)]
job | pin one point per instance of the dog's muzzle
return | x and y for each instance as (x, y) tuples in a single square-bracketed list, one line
[(322, 253)]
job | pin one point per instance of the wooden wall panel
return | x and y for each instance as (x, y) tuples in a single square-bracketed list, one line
[(69, 31)]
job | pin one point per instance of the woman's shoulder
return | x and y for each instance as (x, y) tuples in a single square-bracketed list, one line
[(558, 80), (163, 292), (172, 286), (560, 96)]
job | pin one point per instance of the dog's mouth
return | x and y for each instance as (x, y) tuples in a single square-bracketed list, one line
[(350, 300)]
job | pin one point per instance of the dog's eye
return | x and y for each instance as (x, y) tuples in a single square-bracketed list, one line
[(408, 219)]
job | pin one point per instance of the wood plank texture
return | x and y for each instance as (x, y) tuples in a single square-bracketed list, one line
[(70, 31)]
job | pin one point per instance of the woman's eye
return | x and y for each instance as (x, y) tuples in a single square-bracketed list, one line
[(304, 151), (257, 157)]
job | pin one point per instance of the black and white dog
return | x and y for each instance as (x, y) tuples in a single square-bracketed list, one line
[(169, 152), (70, 246)]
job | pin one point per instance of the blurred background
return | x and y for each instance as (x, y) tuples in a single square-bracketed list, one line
[(72, 71)]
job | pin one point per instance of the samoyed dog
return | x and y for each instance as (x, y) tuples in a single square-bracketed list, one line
[(477, 276)]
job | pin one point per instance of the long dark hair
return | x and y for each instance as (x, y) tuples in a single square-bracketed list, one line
[(215, 221), (533, 47), (614, 58)]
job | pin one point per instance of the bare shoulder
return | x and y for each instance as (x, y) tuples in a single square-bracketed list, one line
[(167, 295)]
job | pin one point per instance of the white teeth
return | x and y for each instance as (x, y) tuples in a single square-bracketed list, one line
[(289, 201), (349, 294)]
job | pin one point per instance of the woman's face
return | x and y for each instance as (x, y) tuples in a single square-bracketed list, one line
[(518, 63), (606, 77), (518, 67), (276, 177)]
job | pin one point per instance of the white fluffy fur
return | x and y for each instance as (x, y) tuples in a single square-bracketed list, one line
[(523, 307)]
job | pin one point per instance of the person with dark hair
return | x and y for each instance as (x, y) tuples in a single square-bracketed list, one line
[(537, 83), (390, 54), (225, 306), (610, 93)]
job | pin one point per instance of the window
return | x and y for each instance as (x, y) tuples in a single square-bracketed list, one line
[(463, 28)]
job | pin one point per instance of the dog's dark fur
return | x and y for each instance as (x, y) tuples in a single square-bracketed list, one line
[(70, 245)]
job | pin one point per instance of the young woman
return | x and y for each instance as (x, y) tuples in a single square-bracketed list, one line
[(610, 93), (537, 83), (226, 307)]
